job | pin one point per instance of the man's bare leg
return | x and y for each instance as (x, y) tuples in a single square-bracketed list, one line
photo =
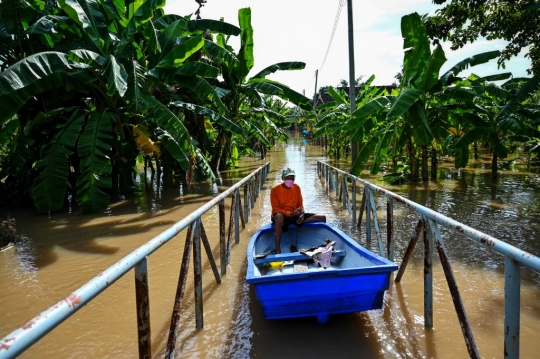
[(316, 218), (278, 226)]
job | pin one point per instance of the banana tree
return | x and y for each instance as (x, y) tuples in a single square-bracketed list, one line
[(243, 95), (415, 117), (497, 119), (331, 116), (115, 71)]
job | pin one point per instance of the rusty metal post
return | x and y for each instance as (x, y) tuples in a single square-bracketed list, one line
[(208, 250), (353, 201), (337, 183), (390, 227), (512, 280), (175, 319), (253, 192), (362, 208), (241, 212), (222, 238), (343, 191), (143, 308), (237, 209), (247, 203), (428, 278), (408, 253), (197, 274), (454, 291), (231, 227)]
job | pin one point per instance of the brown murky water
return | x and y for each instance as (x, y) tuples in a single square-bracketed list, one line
[(58, 254)]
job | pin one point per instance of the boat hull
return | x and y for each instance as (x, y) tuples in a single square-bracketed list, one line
[(357, 282)]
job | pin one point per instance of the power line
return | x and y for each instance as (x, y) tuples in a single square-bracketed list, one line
[(336, 21)]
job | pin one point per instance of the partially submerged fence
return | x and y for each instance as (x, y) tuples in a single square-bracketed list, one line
[(428, 224), (21, 339)]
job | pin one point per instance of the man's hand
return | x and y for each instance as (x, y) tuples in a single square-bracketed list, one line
[(300, 218), (297, 212)]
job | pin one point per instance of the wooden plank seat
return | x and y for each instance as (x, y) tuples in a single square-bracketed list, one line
[(294, 256)]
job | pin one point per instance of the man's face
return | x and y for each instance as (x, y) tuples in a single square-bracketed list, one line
[(289, 180)]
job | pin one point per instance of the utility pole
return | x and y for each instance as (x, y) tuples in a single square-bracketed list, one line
[(352, 84), (315, 92)]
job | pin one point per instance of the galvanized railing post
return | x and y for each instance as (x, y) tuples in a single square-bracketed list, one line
[(390, 227), (143, 308), (222, 239), (237, 216), (353, 202), (512, 280), (197, 274), (367, 193)]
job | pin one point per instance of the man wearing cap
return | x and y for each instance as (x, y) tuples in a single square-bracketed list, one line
[(288, 206)]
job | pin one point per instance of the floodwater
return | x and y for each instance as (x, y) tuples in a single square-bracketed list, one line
[(59, 253)]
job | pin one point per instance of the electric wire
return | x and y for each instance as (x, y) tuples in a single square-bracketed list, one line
[(336, 21)]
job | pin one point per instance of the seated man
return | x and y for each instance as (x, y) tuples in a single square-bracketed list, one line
[(288, 207)]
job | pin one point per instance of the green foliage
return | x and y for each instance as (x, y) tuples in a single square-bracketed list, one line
[(516, 22)]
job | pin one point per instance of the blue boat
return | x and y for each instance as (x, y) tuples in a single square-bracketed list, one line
[(303, 281)]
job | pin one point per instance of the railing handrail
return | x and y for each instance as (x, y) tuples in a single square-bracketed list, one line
[(428, 224), (525, 258), (21, 339)]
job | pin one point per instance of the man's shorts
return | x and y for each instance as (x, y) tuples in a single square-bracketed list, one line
[(292, 220)]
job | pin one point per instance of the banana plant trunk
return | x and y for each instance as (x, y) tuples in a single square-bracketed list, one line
[(425, 171), (413, 163), (494, 168), (434, 164)]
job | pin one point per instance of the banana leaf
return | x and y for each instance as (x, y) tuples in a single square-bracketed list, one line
[(525, 90), (283, 66), (49, 188), (363, 155), (403, 102), (96, 169), (88, 15), (218, 54), (478, 59), (201, 25), (336, 96), (181, 53), (116, 77), (417, 52), (245, 55), (171, 132), (208, 113)]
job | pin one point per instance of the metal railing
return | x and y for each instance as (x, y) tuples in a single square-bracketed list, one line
[(428, 224), (21, 339)]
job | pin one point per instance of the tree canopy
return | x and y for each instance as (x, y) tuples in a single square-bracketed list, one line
[(515, 21)]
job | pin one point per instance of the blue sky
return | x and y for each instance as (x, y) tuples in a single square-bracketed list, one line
[(300, 30)]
